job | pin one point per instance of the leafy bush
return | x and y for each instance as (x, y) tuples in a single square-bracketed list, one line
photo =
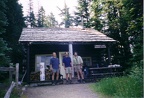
[(137, 72), (2, 93), (4, 59)]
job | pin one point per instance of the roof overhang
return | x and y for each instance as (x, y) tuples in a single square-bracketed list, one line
[(63, 36)]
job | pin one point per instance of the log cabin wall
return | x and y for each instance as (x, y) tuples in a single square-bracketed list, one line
[(84, 50)]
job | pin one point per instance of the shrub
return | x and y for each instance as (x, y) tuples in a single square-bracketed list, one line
[(123, 87), (137, 72)]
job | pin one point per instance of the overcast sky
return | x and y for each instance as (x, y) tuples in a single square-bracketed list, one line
[(49, 6)]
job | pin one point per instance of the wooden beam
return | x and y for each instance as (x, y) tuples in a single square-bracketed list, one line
[(17, 74), (28, 67), (8, 93), (10, 73), (71, 56), (109, 55), (67, 43), (7, 69)]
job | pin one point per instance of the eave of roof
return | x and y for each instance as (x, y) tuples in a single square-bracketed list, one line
[(62, 35)]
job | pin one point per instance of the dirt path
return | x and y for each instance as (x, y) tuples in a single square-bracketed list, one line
[(61, 91)]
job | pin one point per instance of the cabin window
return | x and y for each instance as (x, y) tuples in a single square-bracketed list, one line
[(42, 58), (87, 61)]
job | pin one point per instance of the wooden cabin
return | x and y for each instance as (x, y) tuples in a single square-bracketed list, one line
[(92, 45)]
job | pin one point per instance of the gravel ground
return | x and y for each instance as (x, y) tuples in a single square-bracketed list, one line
[(61, 91)]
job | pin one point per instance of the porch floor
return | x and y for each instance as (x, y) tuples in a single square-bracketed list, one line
[(61, 82)]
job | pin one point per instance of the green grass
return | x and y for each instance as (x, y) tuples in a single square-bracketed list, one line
[(15, 93), (2, 93), (119, 87)]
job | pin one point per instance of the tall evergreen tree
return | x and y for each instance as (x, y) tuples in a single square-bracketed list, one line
[(41, 17), (15, 19), (67, 19), (30, 19), (4, 59), (134, 12), (82, 15), (3, 19), (121, 20), (114, 26), (95, 19), (50, 21)]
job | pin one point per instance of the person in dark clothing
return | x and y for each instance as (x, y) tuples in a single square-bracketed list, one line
[(68, 67), (54, 66), (86, 71)]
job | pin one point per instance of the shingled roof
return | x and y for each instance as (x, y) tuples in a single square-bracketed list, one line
[(63, 35)]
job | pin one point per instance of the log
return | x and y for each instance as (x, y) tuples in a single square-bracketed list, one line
[(10, 69), (10, 73), (35, 75), (17, 74), (8, 93), (6, 69)]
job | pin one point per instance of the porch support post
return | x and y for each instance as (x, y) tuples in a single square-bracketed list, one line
[(109, 55), (27, 67), (71, 56)]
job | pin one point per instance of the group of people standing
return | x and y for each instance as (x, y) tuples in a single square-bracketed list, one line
[(67, 63)]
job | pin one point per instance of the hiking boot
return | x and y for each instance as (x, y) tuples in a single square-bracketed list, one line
[(57, 82), (70, 81), (82, 81), (67, 82), (79, 81), (53, 83)]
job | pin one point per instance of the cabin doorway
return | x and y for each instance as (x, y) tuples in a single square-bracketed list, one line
[(62, 70)]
